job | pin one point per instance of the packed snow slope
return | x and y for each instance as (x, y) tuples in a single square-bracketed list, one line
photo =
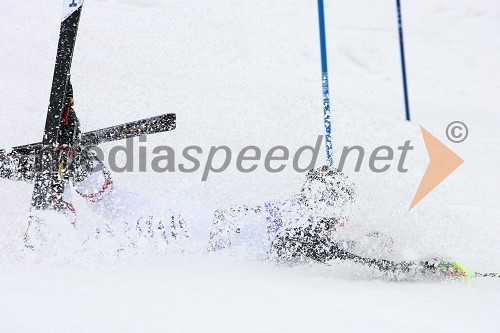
[(248, 73)]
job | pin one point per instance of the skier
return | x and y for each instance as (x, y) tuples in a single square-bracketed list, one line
[(288, 231)]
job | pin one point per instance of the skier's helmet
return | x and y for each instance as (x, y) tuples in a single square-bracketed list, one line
[(327, 193)]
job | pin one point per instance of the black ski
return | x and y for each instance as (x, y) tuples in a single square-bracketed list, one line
[(48, 191), (152, 125)]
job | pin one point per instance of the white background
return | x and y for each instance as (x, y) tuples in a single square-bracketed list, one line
[(240, 73)]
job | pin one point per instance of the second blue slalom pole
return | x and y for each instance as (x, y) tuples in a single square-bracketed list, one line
[(403, 62)]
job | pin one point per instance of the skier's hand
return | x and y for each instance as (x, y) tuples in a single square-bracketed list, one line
[(444, 268)]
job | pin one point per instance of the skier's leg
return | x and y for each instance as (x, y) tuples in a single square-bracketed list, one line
[(106, 200), (238, 225), (127, 212)]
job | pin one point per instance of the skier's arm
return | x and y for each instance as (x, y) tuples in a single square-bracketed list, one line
[(316, 243), (434, 267), (381, 264)]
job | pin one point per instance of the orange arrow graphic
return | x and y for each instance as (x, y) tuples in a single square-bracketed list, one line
[(442, 163)]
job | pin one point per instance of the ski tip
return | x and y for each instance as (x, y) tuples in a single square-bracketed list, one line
[(70, 6)]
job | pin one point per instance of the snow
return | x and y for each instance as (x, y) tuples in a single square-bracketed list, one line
[(242, 73), (214, 295)]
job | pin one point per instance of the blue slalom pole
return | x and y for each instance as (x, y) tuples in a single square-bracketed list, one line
[(403, 62), (326, 92)]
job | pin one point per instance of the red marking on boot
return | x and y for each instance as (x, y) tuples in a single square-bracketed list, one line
[(70, 208), (106, 189)]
